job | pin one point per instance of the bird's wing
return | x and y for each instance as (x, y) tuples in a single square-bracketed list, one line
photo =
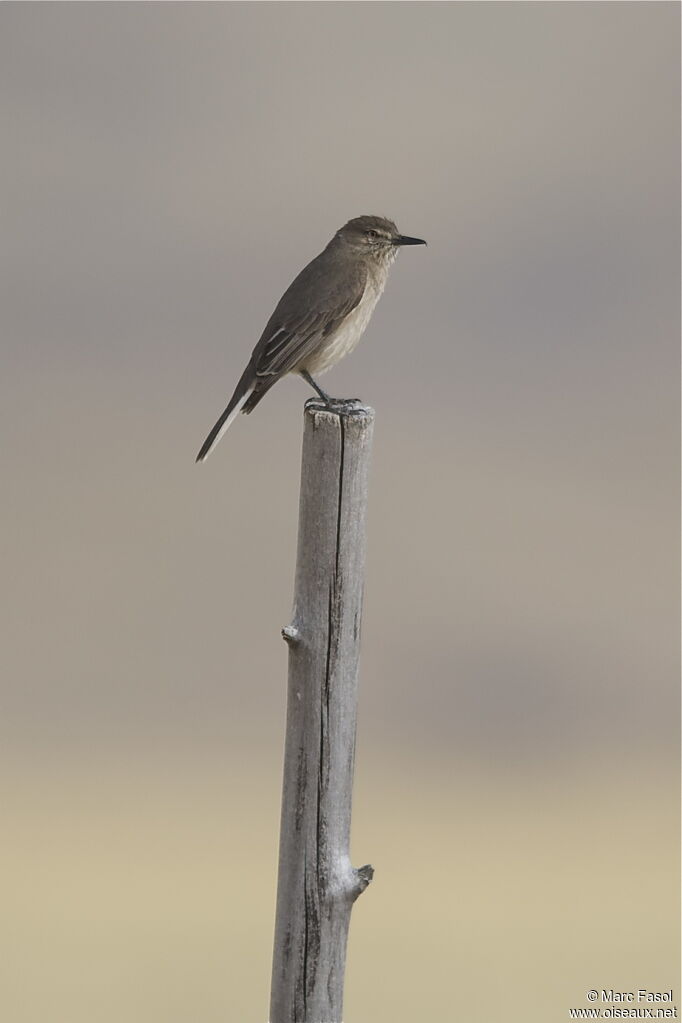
[(311, 309)]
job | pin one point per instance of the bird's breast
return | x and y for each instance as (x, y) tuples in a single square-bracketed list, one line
[(347, 334)]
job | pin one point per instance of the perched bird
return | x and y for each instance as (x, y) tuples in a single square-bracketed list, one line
[(321, 316)]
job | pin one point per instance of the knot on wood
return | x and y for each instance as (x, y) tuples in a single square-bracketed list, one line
[(291, 635), (363, 876)]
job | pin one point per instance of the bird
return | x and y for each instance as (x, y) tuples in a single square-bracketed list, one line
[(320, 317)]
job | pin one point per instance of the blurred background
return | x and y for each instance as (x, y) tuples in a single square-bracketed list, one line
[(167, 170)]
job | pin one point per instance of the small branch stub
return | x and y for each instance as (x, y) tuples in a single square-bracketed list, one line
[(365, 875), (291, 635), (317, 884)]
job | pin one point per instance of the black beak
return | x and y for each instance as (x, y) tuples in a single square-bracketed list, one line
[(404, 239)]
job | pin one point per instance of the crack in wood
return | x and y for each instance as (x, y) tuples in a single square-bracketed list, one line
[(342, 457)]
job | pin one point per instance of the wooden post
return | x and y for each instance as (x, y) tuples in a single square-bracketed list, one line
[(317, 884)]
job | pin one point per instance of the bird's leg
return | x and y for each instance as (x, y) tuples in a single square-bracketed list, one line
[(339, 403), (309, 380)]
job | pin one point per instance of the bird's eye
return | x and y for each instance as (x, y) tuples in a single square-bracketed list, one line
[(372, 234)]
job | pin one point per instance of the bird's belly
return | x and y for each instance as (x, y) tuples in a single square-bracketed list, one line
[(345, 338)]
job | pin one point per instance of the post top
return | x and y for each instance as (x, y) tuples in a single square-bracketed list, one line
[(338, 408)]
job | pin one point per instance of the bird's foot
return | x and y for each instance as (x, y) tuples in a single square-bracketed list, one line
[(343, 402), (335, 404)]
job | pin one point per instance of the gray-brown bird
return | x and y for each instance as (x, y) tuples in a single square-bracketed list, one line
[(321, 316)]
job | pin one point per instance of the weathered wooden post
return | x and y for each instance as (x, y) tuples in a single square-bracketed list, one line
[(317, 884)]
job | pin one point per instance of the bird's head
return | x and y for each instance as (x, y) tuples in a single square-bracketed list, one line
[(377, 236)]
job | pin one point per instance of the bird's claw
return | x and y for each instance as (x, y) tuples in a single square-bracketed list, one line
[(343, 402)]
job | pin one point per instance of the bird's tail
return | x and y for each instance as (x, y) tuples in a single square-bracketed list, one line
[(241, 395)]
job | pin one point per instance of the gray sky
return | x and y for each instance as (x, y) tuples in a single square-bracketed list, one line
[(167, 170)]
